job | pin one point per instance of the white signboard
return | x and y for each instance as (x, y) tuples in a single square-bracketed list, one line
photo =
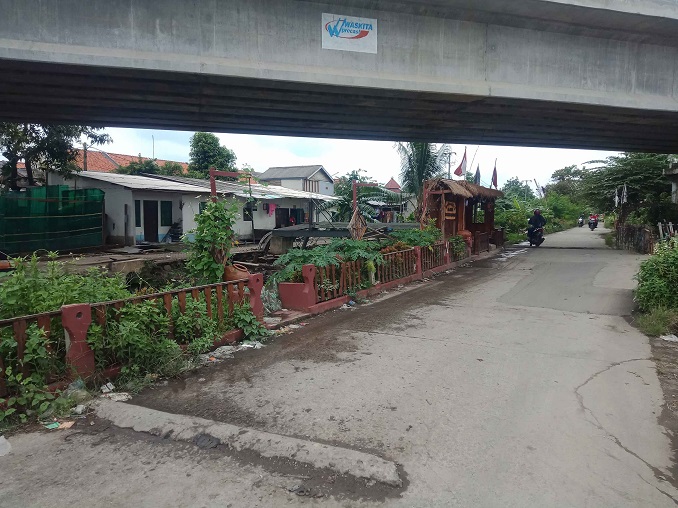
[(346, 33)]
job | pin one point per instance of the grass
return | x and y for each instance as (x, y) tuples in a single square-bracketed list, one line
[(610, 239), (658, 322), (513, 238)]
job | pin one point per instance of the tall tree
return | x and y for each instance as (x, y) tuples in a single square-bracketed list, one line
[(420, 162), (146, 166), (342, 209), (514, 188), (642, 173), (566, 182), (206, 151), (43, 147)]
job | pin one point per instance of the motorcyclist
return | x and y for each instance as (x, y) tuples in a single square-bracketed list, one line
[(536, 221)]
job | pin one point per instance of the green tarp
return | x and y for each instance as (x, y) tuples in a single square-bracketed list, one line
[(52, 218)]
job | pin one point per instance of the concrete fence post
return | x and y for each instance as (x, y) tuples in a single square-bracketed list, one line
[(255, 284), (79, 356), (417, 255), (447, 256)]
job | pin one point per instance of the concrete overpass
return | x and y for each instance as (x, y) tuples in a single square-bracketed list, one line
[(579, 73)]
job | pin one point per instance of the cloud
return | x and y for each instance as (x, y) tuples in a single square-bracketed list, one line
[(339, 156)]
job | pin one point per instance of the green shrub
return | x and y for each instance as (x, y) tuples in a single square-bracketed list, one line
[(658, 279), (210, 249), (28, 290), (334, 253), (418, 237)]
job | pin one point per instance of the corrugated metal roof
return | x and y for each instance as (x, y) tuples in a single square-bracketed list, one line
[(143, 182), (294, 172), (262, 192)]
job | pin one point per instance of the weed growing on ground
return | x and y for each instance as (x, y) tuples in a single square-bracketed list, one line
[(658, 322)]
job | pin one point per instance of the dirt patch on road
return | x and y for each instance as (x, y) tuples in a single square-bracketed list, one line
[(665, 356)]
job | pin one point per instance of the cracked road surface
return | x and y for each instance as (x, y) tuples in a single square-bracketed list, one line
[(514, 381)]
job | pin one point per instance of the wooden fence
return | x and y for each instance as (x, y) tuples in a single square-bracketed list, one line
[(335, 281), (481, 242), (397, 265), (75, 354), (434, 256), (635, 237)]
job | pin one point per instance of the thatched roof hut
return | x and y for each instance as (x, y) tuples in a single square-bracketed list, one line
[(464, 189)]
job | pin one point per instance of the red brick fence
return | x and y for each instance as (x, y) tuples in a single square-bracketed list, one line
[(72, 346)]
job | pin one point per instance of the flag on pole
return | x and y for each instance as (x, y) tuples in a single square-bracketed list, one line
[(616, 197), (494, 176), (625, 195), (476, 178), (461, 170)]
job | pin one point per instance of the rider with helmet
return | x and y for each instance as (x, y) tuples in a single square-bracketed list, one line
[(536, 221)]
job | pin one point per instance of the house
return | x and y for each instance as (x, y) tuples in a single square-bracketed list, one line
[(139, 208), (153, 208), (304, 178), (263, 207), (393, 186), (92, 159)]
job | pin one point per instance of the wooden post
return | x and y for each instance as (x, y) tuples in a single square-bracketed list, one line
[(442, 214)]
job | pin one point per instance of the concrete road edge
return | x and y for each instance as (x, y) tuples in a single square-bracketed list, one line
[(187, 428)]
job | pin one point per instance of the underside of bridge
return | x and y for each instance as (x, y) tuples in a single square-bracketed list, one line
[(117, 97)]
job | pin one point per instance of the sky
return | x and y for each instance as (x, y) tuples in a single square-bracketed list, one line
[(379, 159)]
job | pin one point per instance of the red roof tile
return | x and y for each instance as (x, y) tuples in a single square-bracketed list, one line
[(106, 162), (392, 185)]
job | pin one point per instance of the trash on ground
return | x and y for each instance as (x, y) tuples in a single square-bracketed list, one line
[(65, 425), (294, 327), (107, 388), (251, 345), (670, 338), (118, 397), (303, 324), (77, 392), (5, 447), (51, 425), (351, 303), (79, 409)]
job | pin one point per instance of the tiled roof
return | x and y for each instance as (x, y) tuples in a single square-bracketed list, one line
[(107, 162), (392, 185)]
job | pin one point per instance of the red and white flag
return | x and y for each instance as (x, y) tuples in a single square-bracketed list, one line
[(494, 175), (461, 170)]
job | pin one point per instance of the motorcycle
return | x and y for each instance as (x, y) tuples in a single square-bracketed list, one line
[(537, 237), (593, 224), (580, 222)]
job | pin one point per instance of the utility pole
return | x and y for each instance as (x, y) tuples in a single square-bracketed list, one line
[(526, 183), (84, 156)]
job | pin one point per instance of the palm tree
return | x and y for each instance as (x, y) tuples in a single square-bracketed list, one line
[(420, 162), (341, 210)]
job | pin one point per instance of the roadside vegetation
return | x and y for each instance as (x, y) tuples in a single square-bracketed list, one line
[(136, 337), (657, 292), (370, 252)]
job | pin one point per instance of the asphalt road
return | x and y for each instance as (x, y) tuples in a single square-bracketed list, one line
[(514, 381)]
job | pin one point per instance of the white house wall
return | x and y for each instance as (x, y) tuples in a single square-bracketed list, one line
[(242, 228)]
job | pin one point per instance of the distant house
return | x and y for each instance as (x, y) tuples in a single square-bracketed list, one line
[(304, 178), (154, 208), (95, 160), (393, 186)]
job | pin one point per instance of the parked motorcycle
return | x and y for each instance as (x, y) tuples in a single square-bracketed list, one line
[(536, 238), (580, 222)]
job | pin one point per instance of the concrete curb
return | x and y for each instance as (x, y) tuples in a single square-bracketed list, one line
[(187, 428)]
